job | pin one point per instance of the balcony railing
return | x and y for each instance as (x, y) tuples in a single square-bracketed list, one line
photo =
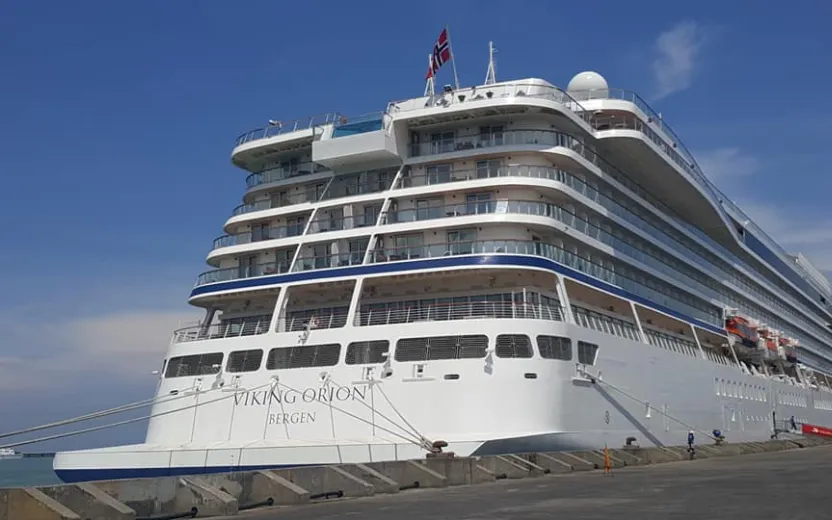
[(276, 202), (324, 225), (543, 138), (238, 273), (460, 311), (319, 319), (285, 127), (280, 174), (237, 327), (259, 235), (553, 252)]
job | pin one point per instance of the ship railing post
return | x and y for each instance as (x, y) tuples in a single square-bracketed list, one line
[(698, 344), (637, 319), (560, 287), (352, 312)]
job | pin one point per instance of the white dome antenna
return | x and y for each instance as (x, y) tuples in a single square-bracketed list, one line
[(588, 85)]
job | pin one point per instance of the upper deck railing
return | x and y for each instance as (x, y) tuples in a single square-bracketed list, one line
[(285, 127), (684, 158), (497, 91)]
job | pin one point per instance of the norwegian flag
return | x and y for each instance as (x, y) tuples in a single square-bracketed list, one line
[(441, 53)]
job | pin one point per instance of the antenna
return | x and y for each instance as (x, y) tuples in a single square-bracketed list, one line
[(491, 73), (429, 86)]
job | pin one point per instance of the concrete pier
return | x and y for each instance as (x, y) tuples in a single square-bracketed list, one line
[(229, 494)]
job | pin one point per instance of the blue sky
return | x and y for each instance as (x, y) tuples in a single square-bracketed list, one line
[(118, 120)]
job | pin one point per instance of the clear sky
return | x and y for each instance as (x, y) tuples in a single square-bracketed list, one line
[(117, 120)]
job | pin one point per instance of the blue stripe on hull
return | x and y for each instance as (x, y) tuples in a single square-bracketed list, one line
[(448, 262), (87, 475)]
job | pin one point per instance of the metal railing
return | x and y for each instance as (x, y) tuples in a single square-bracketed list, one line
[(281, 174), (276, 202), (708, 313), (237, 273), (302, 320), (324, 225), (459, 311), (237, 327), (458, 143), (501, 91), (258, 235), (285, 127)]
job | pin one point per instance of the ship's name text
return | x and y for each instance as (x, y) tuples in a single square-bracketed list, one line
[(308, 395)]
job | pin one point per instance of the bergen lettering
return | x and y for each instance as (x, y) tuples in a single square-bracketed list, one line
[(308, 395)]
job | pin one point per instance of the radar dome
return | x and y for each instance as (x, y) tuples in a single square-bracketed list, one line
[(586, 81)]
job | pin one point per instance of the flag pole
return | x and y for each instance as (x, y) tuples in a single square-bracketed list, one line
[(429, 86), (453, 60)]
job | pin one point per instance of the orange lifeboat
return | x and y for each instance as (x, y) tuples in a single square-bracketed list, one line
[(742, 328)]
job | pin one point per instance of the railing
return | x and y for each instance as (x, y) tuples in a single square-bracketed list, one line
[(312, 263), (301, 320), (460, 143), (281, 174), (460, 311), (679, 153), (505, 90), (276, 202), (258, 235), (285, 127), (345, 126), (324, 225), (237, 327), (552, 252), (237, 273)]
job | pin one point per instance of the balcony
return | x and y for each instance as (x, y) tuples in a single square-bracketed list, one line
[(240, 273), (281, 174), (276, 202), (523, 139), (361, 140), (388, 314), (233, 328), (258, 235), (326, 225), (254, 147)]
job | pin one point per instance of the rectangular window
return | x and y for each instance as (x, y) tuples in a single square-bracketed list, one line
[(460, 241), (194, 365), (442, 142), (513, 346), (244, 361), (303, 356), (487, 169), (439, 173), (441, 347), (587, 352), (367, 352), (555, 347)]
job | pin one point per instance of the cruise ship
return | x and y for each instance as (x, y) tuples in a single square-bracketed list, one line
[(507, 267)]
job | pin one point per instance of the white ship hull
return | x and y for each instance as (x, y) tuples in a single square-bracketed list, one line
[(496, 410)]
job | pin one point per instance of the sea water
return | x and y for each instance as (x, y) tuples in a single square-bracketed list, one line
[(27, 471)]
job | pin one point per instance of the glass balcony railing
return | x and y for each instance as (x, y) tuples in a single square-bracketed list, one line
[(239, 273), (325, 225), (233, 328), (311, 263), (281, 174), (706, 313), (277, 202), (285, 127), (459, 311), (458, 143), (258, 235)]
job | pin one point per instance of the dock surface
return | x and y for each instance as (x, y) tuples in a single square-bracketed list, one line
[(782, 485)]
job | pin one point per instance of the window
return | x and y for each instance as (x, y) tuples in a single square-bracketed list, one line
[(405, 246), (491, 135), (587, 352), (555, 347), (303, 356), (439, 173), (367, 352), (460, 242), (513, 346), (294, 226), (429, 208), (442, 142), (488, 168), (194, 365), (441, 347), (244, 361), (478, 203)]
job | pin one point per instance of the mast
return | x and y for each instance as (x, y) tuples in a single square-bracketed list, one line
[(491, 73), (429, 85)]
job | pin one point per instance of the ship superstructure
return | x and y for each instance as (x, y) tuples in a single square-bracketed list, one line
[(508, 267)]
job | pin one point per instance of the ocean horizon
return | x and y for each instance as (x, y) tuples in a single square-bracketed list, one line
[(28, 471)]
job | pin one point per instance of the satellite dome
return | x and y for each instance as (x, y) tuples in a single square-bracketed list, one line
[(586, 81)]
